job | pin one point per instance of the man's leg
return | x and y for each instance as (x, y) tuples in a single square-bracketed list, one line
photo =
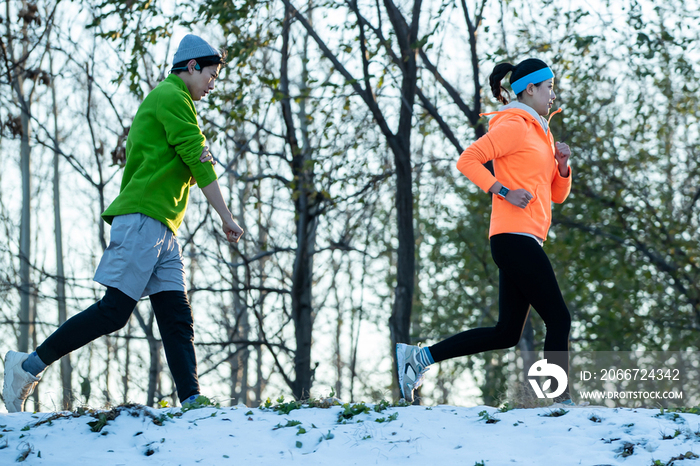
[(174, 316), (108, 315)]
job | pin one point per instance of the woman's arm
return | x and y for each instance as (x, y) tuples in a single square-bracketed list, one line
[(503, 139), (518, 197), (561, 177)]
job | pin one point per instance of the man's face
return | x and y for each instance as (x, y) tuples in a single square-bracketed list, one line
[(200, 82)]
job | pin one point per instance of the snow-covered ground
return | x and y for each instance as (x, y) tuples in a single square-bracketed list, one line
[(420, 435)]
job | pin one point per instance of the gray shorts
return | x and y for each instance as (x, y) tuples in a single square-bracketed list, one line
[(143, 258)]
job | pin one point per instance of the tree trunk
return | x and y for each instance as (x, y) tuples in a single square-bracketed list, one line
[(357, 313), (527, 347), (16, 75), (337, 350), (66, 367), (259, 385), (154, 346), (479, 129), (400, 320), (108, 373), (234, 359), (243, 396), (35, 343), (240, 360), (301, 299), (25, 235), (243, 355), (262, 239), (233, 379), (127, 363), (306, 222)]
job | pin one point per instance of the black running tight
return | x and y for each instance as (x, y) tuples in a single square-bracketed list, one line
[(526, 278), (112, 312)]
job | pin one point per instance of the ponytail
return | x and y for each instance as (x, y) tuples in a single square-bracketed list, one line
[(530, 71), (497, 75)]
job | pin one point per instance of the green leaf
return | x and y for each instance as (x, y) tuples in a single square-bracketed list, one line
[(96, 426)]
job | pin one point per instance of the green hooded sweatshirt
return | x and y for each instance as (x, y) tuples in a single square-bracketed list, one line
[(162, 153)]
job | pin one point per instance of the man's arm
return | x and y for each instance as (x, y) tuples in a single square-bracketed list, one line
[(176, 113), (212, 192), (205, 157)]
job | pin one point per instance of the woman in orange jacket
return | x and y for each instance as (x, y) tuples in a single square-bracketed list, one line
[(531, 172)]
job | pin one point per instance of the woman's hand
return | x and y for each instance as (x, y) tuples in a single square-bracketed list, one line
[(519, 197), (562, 153)]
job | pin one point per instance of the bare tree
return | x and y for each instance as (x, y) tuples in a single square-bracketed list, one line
[(407, 37), (66, 367), (19, 73)]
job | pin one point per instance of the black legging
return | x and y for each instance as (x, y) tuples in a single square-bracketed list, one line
[(112, 312), (526, 278)]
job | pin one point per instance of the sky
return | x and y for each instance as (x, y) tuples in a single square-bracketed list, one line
[(411, 435)]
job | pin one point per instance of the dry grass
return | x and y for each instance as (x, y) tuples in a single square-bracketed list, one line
[(521, 395)]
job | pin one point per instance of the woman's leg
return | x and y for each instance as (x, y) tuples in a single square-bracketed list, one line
[(531, 271), (512, 313), (526, 277)]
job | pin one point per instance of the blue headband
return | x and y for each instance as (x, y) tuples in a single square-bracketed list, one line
[(535, 77)]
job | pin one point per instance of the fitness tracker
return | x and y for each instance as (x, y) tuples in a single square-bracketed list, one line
[(503, 192)]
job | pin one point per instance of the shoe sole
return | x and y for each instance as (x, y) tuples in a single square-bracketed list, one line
[(401, 362)]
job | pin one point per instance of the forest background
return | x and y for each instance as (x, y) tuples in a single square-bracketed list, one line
[(336, 127)]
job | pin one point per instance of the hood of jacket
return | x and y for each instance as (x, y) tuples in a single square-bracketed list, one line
[(519, 109)]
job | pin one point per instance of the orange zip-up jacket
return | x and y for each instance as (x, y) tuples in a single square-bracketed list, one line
[(523, 157)]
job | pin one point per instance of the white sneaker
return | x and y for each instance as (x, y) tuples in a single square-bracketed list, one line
[(18, 383), (410, 369)]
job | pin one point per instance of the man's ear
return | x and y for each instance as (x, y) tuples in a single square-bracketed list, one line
[(192, 65)]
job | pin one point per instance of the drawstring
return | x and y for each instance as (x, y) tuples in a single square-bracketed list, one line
[(553, 113), (548, 120)]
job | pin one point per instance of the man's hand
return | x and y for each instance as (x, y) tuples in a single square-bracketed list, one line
[(562, 153), (206, 156), (519, 197), (232, 230)]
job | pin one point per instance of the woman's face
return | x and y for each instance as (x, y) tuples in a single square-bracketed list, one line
[(541, 97)]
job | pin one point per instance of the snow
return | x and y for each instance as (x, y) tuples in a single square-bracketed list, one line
[(438, 435)]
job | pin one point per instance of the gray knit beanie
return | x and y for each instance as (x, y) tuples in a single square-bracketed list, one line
[(193, 46)]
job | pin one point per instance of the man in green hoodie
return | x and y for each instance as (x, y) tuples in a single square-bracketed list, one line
[(165, 155)]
